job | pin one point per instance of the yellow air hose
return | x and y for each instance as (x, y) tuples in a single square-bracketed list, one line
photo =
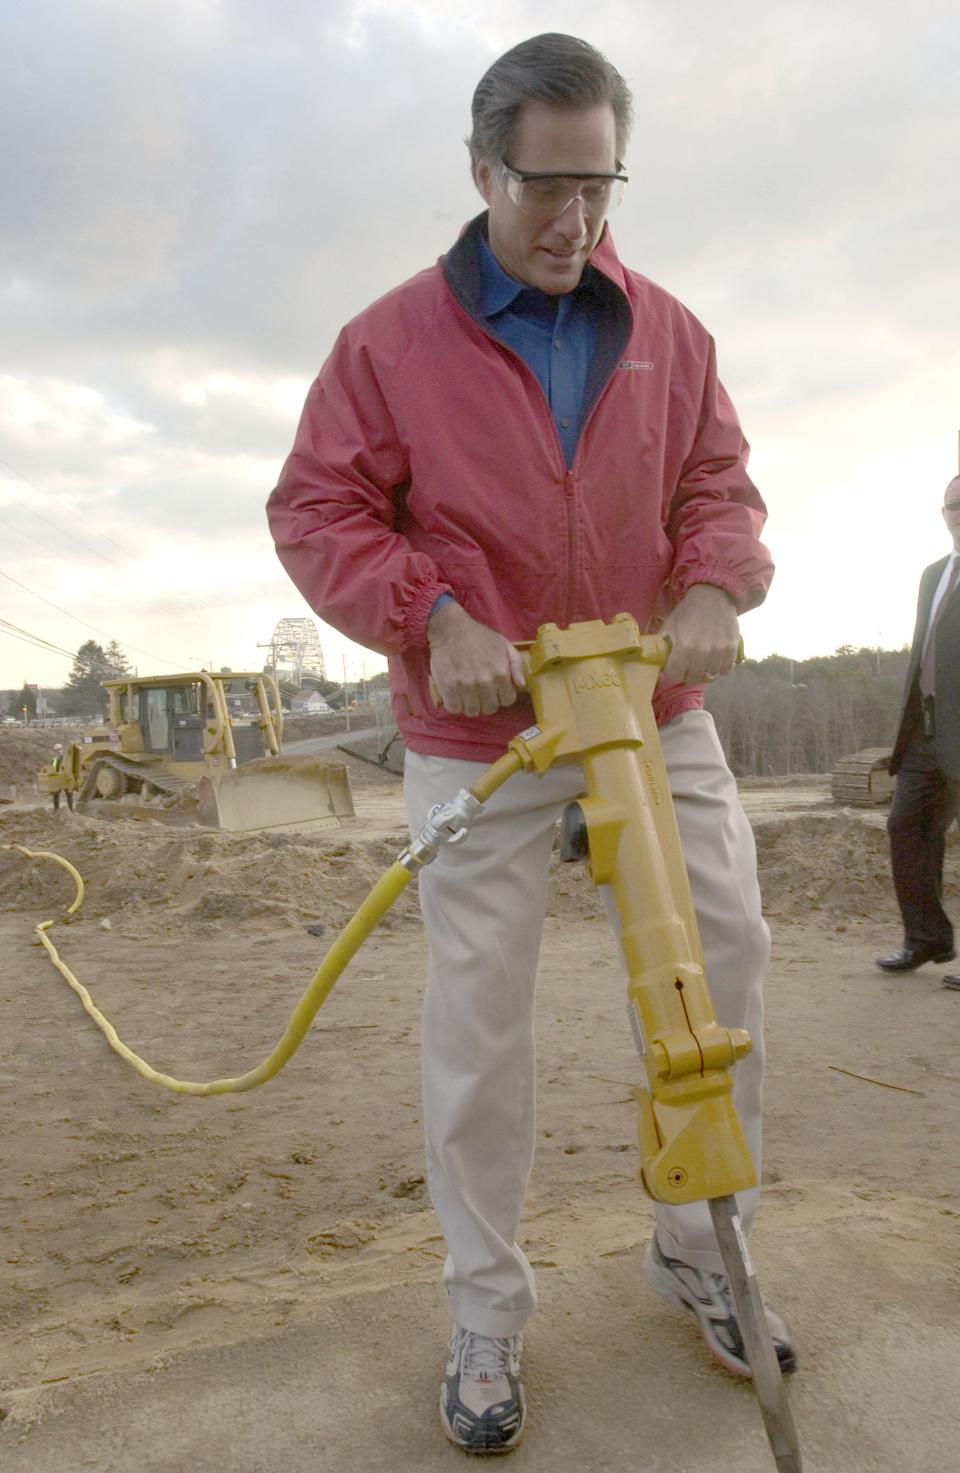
[(447, 823)]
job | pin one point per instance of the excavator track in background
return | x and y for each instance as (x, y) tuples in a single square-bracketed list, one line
[(862, 780)]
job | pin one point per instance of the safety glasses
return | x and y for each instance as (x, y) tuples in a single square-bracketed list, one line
[(547, 195)]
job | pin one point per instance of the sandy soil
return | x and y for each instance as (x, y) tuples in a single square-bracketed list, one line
[(221, 1285), (23, 751)]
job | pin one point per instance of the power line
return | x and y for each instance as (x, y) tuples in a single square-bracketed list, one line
[(57, 502), (15, 632), (177, 664), (21, 533), (86, 547)]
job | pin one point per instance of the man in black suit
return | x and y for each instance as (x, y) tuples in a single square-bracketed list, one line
[(926, 759)]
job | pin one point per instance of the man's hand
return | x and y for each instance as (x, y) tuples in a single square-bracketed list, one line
[(474, 669), (705, 635)]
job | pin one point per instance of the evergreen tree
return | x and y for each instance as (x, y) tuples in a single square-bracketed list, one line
[(83, 693), (117, 660)]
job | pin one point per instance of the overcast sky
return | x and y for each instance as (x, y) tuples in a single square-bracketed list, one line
[(196, 194)]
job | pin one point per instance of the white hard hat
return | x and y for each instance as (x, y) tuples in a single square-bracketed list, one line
[(58, 746)]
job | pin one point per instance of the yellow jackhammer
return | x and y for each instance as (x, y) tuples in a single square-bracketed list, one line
[(592, 688)]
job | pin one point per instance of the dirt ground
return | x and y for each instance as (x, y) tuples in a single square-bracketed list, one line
[(227, 1284)]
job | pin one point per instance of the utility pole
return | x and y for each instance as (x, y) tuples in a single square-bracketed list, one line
[(272, 647)]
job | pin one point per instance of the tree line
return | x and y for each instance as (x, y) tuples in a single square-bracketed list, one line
[(83, 694), (775, 716), (779, 716)]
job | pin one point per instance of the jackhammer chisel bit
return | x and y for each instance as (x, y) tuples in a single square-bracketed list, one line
[(755, 1330)]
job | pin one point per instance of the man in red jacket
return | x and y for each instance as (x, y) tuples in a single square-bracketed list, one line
[(528, 432)]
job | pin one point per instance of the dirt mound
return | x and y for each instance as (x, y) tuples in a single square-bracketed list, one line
[(838, 863), (24, 750), (297, 728), (161, 879), (834, 863)]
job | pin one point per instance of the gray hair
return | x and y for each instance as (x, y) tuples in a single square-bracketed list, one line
[(559, 70)]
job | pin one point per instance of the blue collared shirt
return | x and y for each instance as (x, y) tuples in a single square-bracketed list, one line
[(555, 337)]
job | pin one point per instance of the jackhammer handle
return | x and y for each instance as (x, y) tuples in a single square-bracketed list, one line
[(522, 645), (738, 659)]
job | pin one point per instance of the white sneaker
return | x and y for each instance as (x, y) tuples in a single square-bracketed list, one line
[(709, 1297), (482, 1406)]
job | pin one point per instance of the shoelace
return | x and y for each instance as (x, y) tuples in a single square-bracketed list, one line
[(483, 1356)]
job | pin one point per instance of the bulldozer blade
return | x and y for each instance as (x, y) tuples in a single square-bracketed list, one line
[(273, 791), (757, 1340)]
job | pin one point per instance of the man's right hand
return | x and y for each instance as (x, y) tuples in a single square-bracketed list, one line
[(475, 670)]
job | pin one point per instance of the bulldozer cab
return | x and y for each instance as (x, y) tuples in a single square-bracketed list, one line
[(195, 717), (170, 720)]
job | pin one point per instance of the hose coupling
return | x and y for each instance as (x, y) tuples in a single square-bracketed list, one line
[(447, 823)]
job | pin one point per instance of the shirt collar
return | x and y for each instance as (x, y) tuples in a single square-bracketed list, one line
[(497, 289)]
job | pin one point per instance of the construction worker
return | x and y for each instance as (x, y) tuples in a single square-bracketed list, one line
[(57, 765), (528, 432)]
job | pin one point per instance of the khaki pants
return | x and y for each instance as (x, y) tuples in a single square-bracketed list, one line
[(483, 903)]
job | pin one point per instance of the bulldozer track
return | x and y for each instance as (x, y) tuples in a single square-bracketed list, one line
[(167, 782), (169, 785)]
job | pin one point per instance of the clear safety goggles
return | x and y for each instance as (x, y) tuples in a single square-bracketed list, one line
[(547, 195)]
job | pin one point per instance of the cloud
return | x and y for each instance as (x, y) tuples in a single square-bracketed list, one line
[(202, 181), (203, 192)]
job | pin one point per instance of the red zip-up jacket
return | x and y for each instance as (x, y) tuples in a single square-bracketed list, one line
[(427, 461)]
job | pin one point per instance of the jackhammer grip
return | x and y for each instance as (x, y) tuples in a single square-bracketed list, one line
[(738, 659)]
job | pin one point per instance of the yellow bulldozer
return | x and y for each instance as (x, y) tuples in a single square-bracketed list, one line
[(198, 748)]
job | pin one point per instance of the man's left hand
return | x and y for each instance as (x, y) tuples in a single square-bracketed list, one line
[(705, 635)]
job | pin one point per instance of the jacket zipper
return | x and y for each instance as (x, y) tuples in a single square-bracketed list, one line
[(569, 494), (570, 511), (567, 490)]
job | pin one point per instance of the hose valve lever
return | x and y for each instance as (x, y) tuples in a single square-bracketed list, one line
[(452, 824), (447, 823)]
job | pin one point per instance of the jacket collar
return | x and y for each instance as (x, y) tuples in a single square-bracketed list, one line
[(464, 276), (462, 266)]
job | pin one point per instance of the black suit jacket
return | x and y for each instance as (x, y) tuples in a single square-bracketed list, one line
[(946, 681)]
